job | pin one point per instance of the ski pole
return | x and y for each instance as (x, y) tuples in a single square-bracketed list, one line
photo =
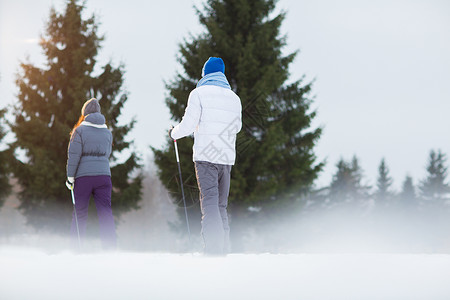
[(182, 189), (76, 218)]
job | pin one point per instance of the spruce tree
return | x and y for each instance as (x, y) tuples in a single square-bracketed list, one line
[(342, 183), (346, 186), (383, 194), (434, 188), (275, 157), (408, 196), (5, 187), (49, 104)]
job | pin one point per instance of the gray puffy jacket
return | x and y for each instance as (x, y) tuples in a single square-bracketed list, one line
[(90, 148)]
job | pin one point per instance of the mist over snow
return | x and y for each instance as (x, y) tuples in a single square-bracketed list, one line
[(308, 253), (335, 255)]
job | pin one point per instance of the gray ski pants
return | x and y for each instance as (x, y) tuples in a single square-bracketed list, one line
[(214, 184)]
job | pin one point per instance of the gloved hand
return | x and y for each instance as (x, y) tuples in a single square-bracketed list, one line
[(70, 183), (170, 132)]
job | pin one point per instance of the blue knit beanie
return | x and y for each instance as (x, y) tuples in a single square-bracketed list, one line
[(213, 64)]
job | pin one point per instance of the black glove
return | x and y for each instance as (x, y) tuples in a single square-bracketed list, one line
[(170, 132)]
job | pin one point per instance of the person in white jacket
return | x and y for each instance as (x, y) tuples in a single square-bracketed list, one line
[(213, 114)]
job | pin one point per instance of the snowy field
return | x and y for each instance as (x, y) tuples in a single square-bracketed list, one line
[(35, 274), (337, 256)]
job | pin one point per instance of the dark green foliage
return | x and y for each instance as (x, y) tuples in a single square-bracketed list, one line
[(275, 158), (5, 187), (49, 104), (434, 188), (383, 194), (346, 186)]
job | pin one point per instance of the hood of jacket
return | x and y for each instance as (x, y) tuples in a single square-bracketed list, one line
[(95, 118)]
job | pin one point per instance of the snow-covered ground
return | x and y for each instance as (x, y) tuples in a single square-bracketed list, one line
[(34, 274), (335, 255)]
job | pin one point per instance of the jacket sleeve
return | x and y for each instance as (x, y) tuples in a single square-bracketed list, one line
[(240, 122), (74, 153), (111, 142), (190, 119)]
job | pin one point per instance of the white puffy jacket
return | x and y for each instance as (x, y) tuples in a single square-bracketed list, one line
[(213, 114)]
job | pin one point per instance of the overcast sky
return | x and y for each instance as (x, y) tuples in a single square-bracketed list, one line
[(382, 70)]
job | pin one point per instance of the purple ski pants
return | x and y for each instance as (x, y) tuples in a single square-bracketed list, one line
[(100, 187)]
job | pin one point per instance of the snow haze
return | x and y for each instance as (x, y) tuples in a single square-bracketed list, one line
[(341, 253)]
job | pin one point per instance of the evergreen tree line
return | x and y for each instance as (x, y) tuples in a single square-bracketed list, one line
[(348, 187)]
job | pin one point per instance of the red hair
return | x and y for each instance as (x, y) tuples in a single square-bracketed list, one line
[(81, 119)]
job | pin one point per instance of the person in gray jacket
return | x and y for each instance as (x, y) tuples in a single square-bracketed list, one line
[(88, 171), (213, 114)]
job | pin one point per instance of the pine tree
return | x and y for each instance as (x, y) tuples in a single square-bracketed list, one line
[(5, 187), (346, 186), (49, 104), (275, 158), (434, 188), (342, 183), (408, 196), (383, 195)]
